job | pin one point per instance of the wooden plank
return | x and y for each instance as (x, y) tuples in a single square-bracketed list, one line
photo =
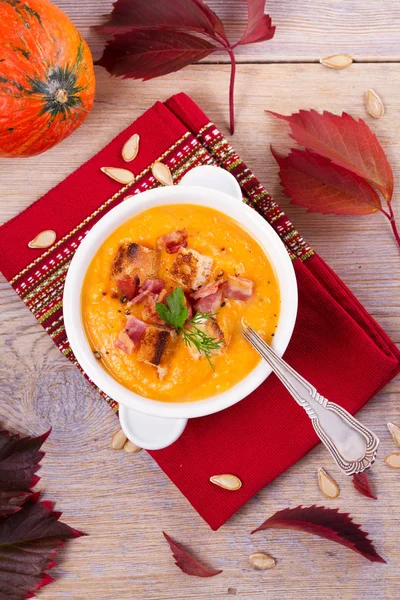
[(306, 31), (124, 502)]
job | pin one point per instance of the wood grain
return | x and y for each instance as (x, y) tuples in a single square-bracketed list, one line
[(123, 501), (306, 30)]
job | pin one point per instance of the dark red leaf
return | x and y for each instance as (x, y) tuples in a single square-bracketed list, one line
[(19, 461), (152, 52), (28, 543), (315, 182), (259, 27), (347, 142), (191, 15), (187, 563), (327, 523), (11, 501), (361, 483)]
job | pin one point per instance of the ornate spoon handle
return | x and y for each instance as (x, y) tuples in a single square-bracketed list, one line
[(352, 445)]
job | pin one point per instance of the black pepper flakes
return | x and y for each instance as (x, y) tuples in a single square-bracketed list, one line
[(104, 293), (127, 312), (97, 354), (123, 299), (223, 304)]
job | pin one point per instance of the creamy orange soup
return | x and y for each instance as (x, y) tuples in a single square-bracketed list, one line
[(234, 252)]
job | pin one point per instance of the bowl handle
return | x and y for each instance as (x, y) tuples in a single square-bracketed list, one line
[(151, 433), (215, 178)]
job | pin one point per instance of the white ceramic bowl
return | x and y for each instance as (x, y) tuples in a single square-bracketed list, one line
[(160, 423)]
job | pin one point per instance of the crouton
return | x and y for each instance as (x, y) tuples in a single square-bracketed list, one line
[(190, 269), (153, 345), (135, 260), (211, 328)]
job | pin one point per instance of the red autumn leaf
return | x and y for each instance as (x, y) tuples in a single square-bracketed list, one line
[(187, 563), (361, 483), (191, 15), (157, 37), (315, 182), (11, 501), (28, 543), (150, 53), (19, 461), (347, 142), (259, 27), (327, 523)]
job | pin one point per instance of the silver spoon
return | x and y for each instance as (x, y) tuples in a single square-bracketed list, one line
[(352, 445)]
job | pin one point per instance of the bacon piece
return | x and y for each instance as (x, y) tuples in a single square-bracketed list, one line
[(155, 286), (238, 288), (130, 336), (210, 303), (150, 311), (189, 308), (128, 287), (124, 342), (171, 242), (207, 290), (135, 328), (151, 286), (209, 297)]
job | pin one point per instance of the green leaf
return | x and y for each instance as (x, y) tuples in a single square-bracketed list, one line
[(176, 312), (164, 313)]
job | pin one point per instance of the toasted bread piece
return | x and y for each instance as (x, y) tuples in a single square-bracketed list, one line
[(191, 269), (135, 260), (212, 329), (153, 345)]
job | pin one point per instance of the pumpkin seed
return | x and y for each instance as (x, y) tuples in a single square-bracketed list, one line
[(262, 561), (121, 175), (45, 239), (374, 104), (131, 148), (162, 173), (393, 460), (395, 431), (226, 481), (327, 485), (118, 440), (131, 448), (337, 61)]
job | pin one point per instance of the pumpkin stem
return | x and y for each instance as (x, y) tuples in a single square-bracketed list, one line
[(61, 96)]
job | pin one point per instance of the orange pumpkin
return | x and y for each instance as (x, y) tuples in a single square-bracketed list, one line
[(47, 81)]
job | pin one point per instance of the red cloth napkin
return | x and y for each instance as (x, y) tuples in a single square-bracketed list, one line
[(336, 344)]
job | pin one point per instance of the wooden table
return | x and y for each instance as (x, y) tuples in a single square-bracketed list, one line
[(123, 501)]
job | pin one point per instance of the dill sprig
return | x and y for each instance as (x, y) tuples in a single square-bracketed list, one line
[(196, 337), (175, 313)]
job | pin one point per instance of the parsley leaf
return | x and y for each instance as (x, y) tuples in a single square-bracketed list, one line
[(175, 313)]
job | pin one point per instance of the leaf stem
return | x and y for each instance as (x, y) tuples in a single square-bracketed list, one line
[(393, 224), (232, 89)]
